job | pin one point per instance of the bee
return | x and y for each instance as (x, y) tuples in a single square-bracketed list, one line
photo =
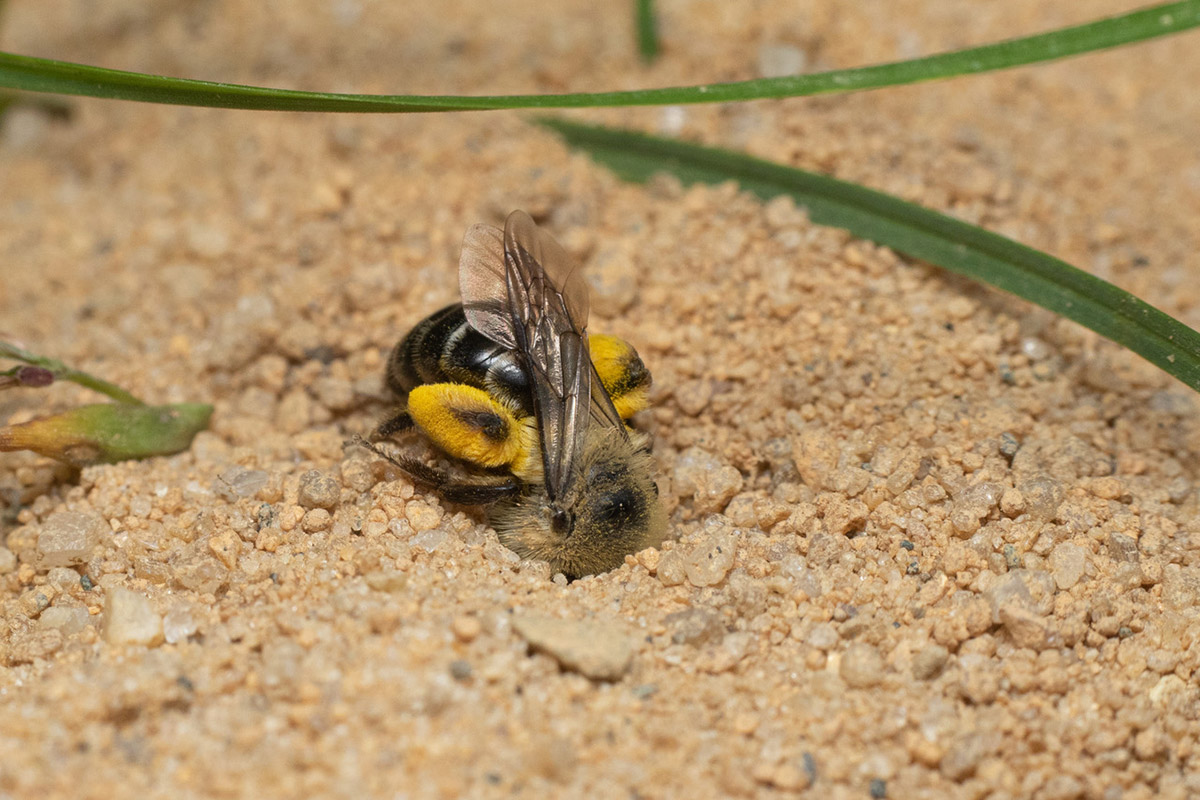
[(509, 382)]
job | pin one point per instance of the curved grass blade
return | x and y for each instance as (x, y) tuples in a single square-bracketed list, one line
[(916, 231), (62, 77), (647, 29)]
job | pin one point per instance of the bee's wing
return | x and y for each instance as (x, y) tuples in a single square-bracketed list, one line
[(521, 290), (483, 281)]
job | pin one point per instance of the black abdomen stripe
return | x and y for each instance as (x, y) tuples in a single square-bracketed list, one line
[(443, 348)]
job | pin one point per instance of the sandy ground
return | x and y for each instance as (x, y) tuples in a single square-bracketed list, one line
[(927, 541)]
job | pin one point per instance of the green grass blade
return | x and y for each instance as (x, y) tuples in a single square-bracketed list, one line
[(44, 75), (918, 232), (647, 29)]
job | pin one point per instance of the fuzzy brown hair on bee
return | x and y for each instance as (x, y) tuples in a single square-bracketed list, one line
[(510, 383)]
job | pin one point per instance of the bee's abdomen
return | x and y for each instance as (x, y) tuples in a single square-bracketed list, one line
[(443, 348), (414, 360)]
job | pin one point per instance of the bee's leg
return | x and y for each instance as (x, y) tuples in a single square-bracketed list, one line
[(464, 493), (621, 372), (397, 423), (479, 494), (467, 423)]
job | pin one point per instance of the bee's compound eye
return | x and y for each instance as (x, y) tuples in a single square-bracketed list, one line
[(562, 521), (618, 507)]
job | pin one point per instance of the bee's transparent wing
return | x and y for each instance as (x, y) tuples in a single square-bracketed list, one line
[(534, 301), (483, 282)]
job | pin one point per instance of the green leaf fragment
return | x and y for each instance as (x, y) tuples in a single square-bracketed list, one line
[(913, 230), (109, 432)]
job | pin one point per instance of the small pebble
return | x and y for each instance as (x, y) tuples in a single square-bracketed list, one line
[(32, 645), (318, 490), (973, 506), (389, 581), (315, 520), (179, 624), (1108, 488), (693, 397), (649, 558), (710, 482), (845, 516), (1009, 445), (1149, 745), (790, 777), (1042, 497), (63, 578), (929, 661), (1120, 548), (68, 538), (963, 757), (979, 678), (130, 618), (8, 561), (671, 570), (823, 636), (1012, 503), (226, 546), (689, 467), (1008, 590), (714, 490), (710, 560), (727, 653), (197, 570), (422, 516), (1026, 628), (796, 569), (594, 648), (862, 666), (430, 540), (694, 626), (466, 629), (34, 601), (1067, 564), (68, 619)]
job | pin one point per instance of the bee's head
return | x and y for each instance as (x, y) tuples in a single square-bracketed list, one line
[(614, 510)]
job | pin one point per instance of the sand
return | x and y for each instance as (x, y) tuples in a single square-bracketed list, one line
[(926, 540)]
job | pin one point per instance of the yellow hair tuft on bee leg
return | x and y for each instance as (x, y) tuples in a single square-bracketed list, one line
[(467, 423), (621, 372)]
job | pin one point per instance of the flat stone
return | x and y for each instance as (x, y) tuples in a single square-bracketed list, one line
[(594, 648), (237, 482), (1027, 628), (68, 538)]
